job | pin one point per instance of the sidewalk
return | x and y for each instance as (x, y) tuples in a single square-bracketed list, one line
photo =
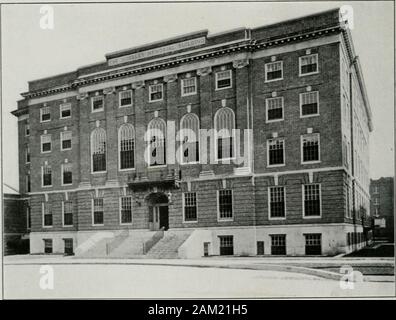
[(325, 267)]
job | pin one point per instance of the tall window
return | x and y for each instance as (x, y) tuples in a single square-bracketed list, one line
[(311, 200), (225, 204), (224, 128), (125, 98), (126, 145), (190, 138), (309, 64), (190, 206), (65, 111), (276, 152), (188, 86), (46, 175), (27, 154), (67, 173), (28, 184), (47, 214), (277, 202), (97, 103), (156, 92), (278, 244), (97, 218), (309, 103), (27, 129), (68, 213), (45, 143), (223, 79), (157, 142), (98, 150), (28, 218), (126, 210), (66, 140), (310, 148), (274, 108), (45, 114), (274, 71)]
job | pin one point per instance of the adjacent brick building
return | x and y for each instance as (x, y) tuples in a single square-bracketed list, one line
[(16, 217), (382, 206), (295, 91)]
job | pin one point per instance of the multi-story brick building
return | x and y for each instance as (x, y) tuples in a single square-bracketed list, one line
[(382, 206), (295, 90)]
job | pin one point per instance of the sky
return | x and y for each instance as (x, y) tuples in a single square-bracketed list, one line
[(84, 33)]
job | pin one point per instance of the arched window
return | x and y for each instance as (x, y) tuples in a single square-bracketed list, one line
[(224, 124), (189, 126), (126, 146), (157, 142), (98, 150)]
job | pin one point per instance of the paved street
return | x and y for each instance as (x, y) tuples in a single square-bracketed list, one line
[(74, 278)]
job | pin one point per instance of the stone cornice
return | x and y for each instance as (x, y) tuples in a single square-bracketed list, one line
[(241, 46)]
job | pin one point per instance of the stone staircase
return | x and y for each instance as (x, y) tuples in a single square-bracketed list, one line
[(167, 247), (132, 245)]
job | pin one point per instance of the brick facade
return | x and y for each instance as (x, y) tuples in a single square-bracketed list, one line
[(382, 205), (245, 53)]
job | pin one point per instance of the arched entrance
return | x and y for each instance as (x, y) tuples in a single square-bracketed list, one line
[(157, 203)]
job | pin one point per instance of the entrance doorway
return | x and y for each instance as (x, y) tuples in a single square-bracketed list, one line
[(158, 211)]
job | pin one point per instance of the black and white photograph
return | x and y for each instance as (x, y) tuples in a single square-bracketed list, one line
[(197, 150)]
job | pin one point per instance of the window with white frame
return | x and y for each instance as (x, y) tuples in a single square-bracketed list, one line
[(278, 244), (226, 245), (67, 173), (310, 148), (309, 64), (27, 153), (66, 140), (309, 103), (276, 152), (27, 129), (313, 243), (125, 98), (126, 210), (274, 107), (98, 150), (157, 142), (190, 138), (97, 103), (312, 200), (46, 142), (190, 206), (46, 175), (375, 189), (273, 71), (156, 92), (45, 114), (277, 202), (67, 213), (126, 145), (97, 211), (65, 111), (224, 130), (223, 79), (189, 86), (225, 204), (47, 214), (376, 201), (28, 218)]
